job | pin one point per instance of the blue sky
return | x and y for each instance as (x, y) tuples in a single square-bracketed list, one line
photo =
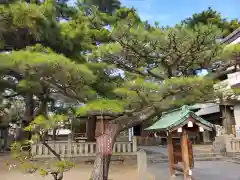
[(170, 12)]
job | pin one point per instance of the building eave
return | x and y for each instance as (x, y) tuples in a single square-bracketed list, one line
[(232, 37)]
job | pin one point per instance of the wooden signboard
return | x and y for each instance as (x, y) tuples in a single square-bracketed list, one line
[(178, 154), (104, 144)]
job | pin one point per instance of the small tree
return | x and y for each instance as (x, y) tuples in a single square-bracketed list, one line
[(40, 127)]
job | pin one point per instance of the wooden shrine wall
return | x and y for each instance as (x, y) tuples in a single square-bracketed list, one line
[(177, 153)]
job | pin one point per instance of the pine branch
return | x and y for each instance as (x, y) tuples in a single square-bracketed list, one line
[(144, 100), (117, 61), (11, 96), (125, 122), (227, 69), (64, 92), (52, 151)]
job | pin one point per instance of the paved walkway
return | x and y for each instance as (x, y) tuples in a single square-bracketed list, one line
[(163, 149), (203, 170)]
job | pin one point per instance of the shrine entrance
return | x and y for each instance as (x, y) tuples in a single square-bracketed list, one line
[(177, 126)]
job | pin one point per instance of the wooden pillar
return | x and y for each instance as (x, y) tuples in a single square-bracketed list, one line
[(170, 154), (90, 128), (185, 155)]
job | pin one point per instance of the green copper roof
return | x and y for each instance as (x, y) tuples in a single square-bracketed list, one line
[(175, 118)]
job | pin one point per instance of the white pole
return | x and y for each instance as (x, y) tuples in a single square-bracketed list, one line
[(130, 134)]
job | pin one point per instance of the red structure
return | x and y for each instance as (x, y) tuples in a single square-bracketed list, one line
[(104, 143)]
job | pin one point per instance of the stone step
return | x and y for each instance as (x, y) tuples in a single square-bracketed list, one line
[(234, 160), (158, 161), (207, 154), (150, 156), (199, 156), (157, 157), (210, 158)]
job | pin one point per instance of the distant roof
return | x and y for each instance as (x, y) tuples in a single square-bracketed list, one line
[(178, 118), (232, 37), (206, 109)]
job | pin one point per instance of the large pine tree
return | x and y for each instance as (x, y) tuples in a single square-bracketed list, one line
[(211, 16), (107, 6), (131, 71)]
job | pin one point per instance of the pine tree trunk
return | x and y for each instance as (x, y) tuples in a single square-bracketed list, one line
[(54, 137), (102, 161), (28, 115), (103, 156), (101, 167)]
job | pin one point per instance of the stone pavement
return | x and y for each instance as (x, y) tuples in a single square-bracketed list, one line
[(203, 170), (197, 149)]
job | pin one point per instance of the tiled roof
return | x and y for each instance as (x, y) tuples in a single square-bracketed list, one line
[(231, 37), (175, 118)]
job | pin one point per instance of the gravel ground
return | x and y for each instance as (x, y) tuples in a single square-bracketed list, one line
[(203, 170), (81, 171)]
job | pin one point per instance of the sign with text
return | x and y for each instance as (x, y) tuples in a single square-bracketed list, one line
[(237, 129)]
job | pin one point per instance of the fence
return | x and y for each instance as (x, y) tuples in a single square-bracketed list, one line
[(73, 149), (232, 145)]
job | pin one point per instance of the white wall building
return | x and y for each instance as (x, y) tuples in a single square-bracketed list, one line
[(229, 110), (232, 81)]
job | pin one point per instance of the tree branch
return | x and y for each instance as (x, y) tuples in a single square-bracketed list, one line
[(125, 122), (228, 68), (64, 92), (134, 70), (12, 95), (52, 151), (57, 175), (144, 100), (155, 75), (104, 113), (136, 118), (43, 139)]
